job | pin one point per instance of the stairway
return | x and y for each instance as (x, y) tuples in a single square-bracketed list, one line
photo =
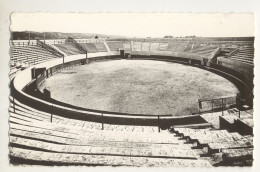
[(230, 148), (34, 140)]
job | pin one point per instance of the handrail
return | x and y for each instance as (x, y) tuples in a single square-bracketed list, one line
[(49, 48), (70, 39), (232, 52)]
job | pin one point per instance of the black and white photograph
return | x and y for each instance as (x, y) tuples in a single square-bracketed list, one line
[(141, 85), (123, 90)]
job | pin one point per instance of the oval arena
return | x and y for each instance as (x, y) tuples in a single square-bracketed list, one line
[(162, 95), (138, 87)]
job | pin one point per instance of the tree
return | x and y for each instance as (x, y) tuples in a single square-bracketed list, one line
[(96, 37)]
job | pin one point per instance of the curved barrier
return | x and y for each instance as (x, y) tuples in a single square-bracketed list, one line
[(238, 73), (23, 88)]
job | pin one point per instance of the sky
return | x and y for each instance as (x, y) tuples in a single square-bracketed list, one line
[(138, 24)]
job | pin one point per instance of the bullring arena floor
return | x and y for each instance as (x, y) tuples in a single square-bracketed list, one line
[(138, 86)]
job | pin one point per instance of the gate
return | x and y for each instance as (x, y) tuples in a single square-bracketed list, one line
[(122, 53)]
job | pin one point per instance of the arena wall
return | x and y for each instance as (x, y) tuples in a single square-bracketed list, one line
[(243, 68), (23, 87)]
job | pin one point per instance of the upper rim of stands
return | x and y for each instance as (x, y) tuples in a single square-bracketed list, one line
[(236, 50), (73, 50), (243, 52)]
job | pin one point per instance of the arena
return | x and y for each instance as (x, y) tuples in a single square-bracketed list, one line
[(138, 87), (153, 102)]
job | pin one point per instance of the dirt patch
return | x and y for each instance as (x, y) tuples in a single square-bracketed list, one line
[(147, 87)]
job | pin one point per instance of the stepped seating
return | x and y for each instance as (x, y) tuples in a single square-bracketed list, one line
[(64, 49), (145, 46), (206, 52), (85, 47), (163, 46), (115, 46), (101, 46), (77, 137), (200, 125), (215, 140), (233, 148), (197, 46), (181, 47), (38, 49), (54, 158), (241, 56), (137, 46), (235, 156), (92, 47), (127, 46), (242, 59), (36, 140), (243, 125), (30, 112), (154, 46), (188, 48), (14, 71), (12, 64), (245, 55), (173, 46), (29, 55), (24, 138), (72, 48), (201, 49)]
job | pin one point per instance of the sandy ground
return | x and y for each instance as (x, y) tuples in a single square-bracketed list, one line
[(147, 87)]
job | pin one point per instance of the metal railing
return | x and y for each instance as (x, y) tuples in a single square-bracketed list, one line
[(71, 40), (102, 121), (219, 104)]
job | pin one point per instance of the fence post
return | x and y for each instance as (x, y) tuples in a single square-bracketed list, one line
[(212, 105), (102, 122), (199, 106), (238, 108), (238, 98), (222, 108), (51, 112), (14, 104), (158, 123)]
